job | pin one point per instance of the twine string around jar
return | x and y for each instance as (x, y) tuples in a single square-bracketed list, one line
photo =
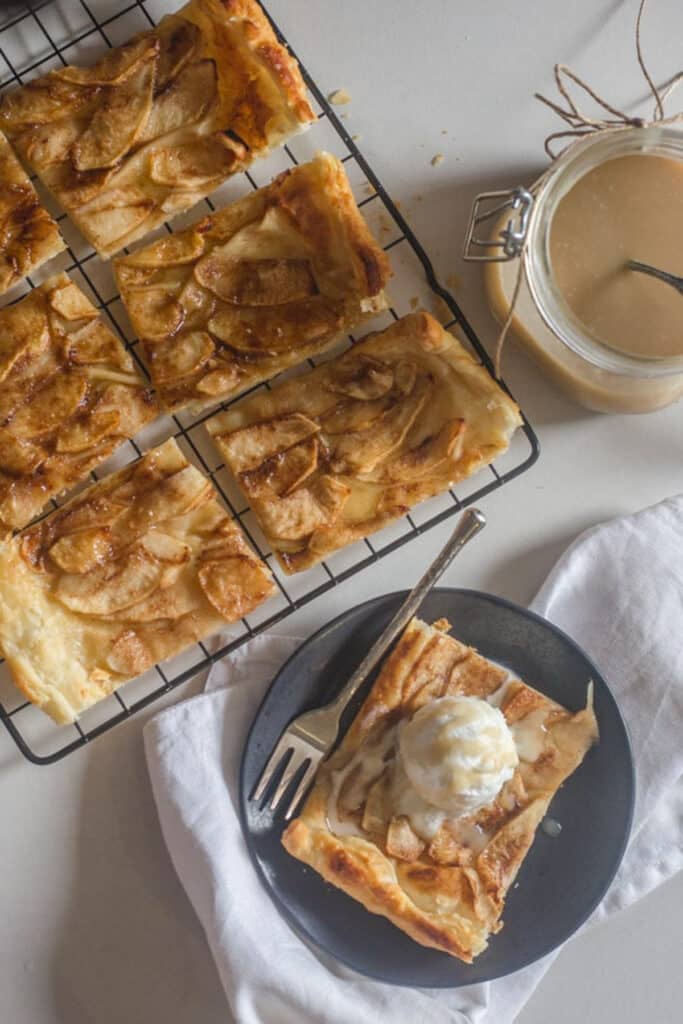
[(581, 125)]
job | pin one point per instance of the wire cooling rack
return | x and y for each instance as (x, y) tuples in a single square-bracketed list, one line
[(52, 33)]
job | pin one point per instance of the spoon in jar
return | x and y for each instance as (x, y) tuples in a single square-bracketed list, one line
[(661, 275)]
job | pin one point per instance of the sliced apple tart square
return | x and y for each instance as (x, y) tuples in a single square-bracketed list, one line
[(426, 811), (159, 122), (133, 570), (256, 287), (70, 395), (28, 234), (327, 458)]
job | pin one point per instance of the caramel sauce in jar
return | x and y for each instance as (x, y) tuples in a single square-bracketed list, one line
[(609, 337)]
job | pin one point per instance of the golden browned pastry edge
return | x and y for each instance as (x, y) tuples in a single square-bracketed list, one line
[(28, 234), (265, 45)]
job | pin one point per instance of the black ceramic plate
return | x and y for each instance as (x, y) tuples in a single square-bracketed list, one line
[(561, 880)]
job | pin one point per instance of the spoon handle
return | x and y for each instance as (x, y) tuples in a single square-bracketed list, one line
[(661, 275)]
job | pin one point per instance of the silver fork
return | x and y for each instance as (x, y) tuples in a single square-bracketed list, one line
[(310, 737)]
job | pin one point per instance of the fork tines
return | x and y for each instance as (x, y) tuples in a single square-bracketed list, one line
[(296, 753)]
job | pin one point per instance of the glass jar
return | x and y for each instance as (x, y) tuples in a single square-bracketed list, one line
[(590, 372)]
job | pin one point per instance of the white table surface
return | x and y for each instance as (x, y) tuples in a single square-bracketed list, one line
[(95, 926)]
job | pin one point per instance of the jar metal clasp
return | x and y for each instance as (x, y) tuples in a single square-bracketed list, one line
[(510, 241)]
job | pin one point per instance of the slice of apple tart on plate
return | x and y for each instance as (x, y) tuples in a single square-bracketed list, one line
[(426, 811)]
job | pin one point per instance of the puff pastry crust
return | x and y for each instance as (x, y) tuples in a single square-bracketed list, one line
[(128, 573), (28, 234), (159, 122), (254, 288), (328, 458), (447, 893), (70, 394)]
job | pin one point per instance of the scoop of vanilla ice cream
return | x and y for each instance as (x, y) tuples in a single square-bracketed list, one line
[(457, 753)]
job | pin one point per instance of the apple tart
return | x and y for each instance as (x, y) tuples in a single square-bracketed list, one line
[(28, 234), (254, 288), (70, 394), (133, 570), (439, 877), (159, 122), (327, 458)]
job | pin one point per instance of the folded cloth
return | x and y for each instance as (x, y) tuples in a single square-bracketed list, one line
[(619, 592)]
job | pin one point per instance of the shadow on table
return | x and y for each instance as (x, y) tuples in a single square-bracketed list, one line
[(533, 564), (131, 949)]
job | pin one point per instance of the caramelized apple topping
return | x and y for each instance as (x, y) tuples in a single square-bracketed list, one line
[(196, 165), (84, 432), (118, 121), (328, 457), (189, 354), (70, 395), (180, 41), (234, 585), (170, 251), (83, 551), (141, 564), (182, 102), (114, 68), (401, 841), (255, 282), (149, 129), (28, 235), (116, 214), (272, 279), (154, 312)]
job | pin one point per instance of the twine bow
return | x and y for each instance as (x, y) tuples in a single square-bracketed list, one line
[(581, 125)]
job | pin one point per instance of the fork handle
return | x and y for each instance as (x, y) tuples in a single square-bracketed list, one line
[(468, 527)]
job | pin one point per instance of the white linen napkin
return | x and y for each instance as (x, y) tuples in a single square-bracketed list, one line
[(618, 591)]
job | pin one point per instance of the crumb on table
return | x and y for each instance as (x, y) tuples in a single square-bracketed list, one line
[(339, 97)]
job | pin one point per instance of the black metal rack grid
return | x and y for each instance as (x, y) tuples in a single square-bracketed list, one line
[(56, 32)]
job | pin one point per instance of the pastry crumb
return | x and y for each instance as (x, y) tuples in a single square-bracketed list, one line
[(414, 302), (436, 159), (385, 225), (339, 97), (369, 189), (440, 309), (356, 138)]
